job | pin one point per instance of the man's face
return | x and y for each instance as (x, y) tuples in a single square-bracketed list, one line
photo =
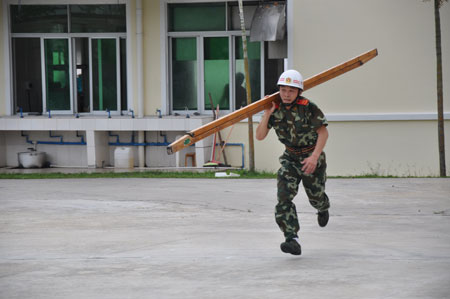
[(288, 94)]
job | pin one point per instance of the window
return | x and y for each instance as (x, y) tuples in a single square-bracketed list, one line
[(207, 61), (254, 68), (123, 74), (197, 17), (216, 70), (69, 58), (104, 74), (57, 74), (38, 18), (27, 75), (82, 64), (184, 73), (97, 18)]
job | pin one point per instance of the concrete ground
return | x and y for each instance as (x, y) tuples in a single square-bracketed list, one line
[(216, 238)]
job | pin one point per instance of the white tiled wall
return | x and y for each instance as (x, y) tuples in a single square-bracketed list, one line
[(58, 155), (97, 152), (101, 149), (157, 156), (14, 144)]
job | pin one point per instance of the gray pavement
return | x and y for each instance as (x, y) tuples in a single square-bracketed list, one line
[(216, 238)]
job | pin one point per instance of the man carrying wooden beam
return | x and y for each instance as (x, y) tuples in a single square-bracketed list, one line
[(301, 126)]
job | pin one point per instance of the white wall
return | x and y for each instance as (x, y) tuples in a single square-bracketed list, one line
[(399, 148), (403, 148), (58, 155), (156, 156), (401, 79), (2, 150)]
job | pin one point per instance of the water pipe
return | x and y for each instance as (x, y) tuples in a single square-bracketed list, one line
[(163, 135), (60, 142), (158, 111), (55, 136), (80, 136), (132, 113), (49, 113), (109, 113), (133, 143), (21, 112)]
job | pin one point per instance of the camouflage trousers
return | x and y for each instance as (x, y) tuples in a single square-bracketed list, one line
[(289, 177)]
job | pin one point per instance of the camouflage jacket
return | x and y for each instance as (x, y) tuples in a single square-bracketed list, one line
[(296, 127)]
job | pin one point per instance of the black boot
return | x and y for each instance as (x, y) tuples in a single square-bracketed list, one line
[(291, 246), (322, 218)]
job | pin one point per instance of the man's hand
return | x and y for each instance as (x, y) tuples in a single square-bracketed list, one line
[(310, 164), (270, 110), (262, 130)]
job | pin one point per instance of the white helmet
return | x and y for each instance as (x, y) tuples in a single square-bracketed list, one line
[(291, 78)]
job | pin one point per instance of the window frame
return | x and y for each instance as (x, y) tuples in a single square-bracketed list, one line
[(200, 35), (118, 78), (44, 75), (72, 68), (200, 65)]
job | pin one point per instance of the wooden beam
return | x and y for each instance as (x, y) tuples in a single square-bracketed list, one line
[(226, 121), (339, 69), (258, 106)]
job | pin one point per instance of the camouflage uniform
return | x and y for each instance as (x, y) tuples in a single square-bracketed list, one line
[(296, 129)]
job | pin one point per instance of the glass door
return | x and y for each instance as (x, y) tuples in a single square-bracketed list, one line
[(27, 75), (57, 84), (216, 72), (254, 67), (105, 90), (82, 74), (184, 74)]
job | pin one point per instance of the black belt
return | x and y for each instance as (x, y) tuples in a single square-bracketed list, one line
[(300, 150)]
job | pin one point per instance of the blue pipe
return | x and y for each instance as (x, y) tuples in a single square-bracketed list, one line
[(133, 143), (60, 142), (165, 136), (165, 143), (21, 112), (112, 135), (55, 136), (49, 114), (81, 136)]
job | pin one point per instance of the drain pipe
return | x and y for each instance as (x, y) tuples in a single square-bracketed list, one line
[(60, 142), (140, 78), (133, 143)]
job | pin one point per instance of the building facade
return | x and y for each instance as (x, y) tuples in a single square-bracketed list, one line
[(82, 78)]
